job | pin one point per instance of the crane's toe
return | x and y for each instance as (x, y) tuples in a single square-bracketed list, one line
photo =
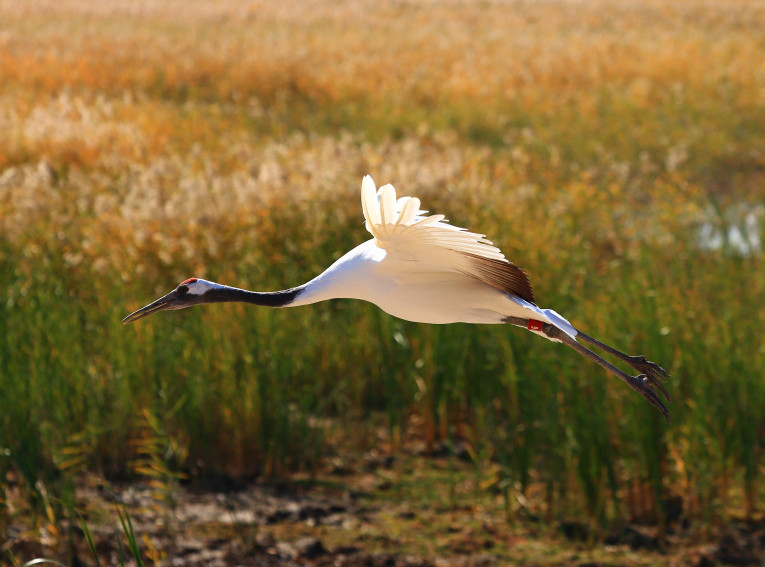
[(644, 385), (657, 376), (642, 364)]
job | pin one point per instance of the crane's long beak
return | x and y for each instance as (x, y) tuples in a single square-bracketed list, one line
[(169, 301)]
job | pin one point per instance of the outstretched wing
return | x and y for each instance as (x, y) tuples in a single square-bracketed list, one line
[(403, 230)]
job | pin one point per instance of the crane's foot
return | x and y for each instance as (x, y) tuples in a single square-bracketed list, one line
[(655, 374), (644, 385), (648, 384)]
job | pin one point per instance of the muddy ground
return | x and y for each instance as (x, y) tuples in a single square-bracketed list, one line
[(414, 509)]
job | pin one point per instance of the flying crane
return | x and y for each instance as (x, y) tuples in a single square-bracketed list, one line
[(422, 269)]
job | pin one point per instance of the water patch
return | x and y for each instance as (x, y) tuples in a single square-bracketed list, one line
[(737, 229)]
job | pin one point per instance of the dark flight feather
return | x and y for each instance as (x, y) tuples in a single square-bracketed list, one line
[(502, 275)]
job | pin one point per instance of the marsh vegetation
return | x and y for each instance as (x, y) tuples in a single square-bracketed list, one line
[(610, 149)]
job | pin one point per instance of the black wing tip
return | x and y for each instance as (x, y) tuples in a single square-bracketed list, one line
[(503, 275)]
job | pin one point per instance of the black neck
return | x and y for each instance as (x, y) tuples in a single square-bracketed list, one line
[(265, 298)]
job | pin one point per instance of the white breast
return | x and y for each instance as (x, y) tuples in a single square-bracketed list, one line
[(408, 290)]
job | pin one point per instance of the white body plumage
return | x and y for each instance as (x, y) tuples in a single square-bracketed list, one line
[(421, 269)]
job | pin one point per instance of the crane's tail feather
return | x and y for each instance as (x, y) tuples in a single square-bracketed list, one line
[(546, 316)]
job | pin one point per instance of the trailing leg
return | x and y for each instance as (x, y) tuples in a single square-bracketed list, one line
[(644, 384), (640, 363)]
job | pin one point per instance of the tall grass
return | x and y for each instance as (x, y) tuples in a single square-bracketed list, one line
[(228, 141)]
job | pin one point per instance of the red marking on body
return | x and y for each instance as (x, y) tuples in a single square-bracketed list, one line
[(535, 325), (190, 280)]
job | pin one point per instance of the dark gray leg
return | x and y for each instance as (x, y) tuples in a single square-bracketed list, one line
[(640, 363), (643, 384)]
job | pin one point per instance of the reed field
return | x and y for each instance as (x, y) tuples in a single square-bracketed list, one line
[(615, 151)]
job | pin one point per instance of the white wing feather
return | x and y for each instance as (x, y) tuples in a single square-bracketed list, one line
[(400, 224), (406, 234)]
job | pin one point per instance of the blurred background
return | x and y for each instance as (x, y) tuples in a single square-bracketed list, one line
[(615, 151)]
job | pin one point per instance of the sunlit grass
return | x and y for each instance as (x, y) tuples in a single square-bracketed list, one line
[(228, 141)]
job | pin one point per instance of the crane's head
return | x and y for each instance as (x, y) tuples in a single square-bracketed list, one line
[(192, 291)]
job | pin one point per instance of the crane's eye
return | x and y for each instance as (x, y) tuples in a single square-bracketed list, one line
[(182, 289)]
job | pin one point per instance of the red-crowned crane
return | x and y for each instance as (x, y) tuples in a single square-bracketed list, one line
[(420, 268)]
